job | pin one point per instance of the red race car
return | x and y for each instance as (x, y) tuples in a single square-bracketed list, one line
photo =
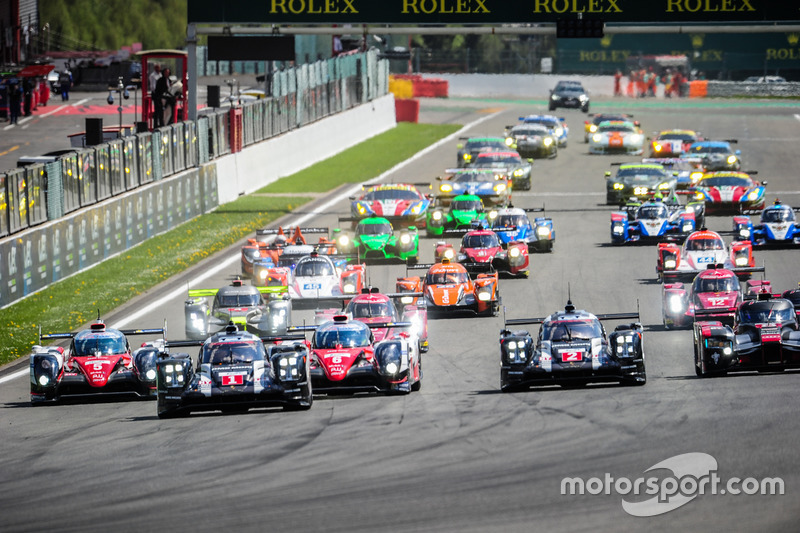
[(482, 251), (714, 294), (269, 244), (703, 248), (670, 143)]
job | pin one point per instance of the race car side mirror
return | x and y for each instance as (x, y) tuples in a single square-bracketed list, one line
[(607, 174), (351, 198)]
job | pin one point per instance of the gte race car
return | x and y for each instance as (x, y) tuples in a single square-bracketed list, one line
[(448, 289), (764, 337), (346, 358), (556, 125), (490, 185), (472, 146), (532, 140), (650, 222), (259, 310), (669, 143), (482, 251), (402, 204), (518, 170), (687, 170), (714, 294), (590, 126), (778, 226), (616, 138), (465, 212), (512, 224), (234, 372), (375, 240), (98, 361), (572, 349), (730, 192), (703, 248), (637, 180), (716, 155)]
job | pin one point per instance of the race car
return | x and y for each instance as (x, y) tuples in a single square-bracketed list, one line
[(99, 361), (590, 126), (234, 372), (570, 94), (730, 192), (793, 295), (482, 251), (716, 155), (259, 310), (765, 337), (490, 185), (346, 358), (715, 292), (512, 224), (268, 245), (639, 180), (687, 170), (472, 146), (402, 204), (572, 349), (374, 239), (464, 213), (532, 141), (703, 248), (616, 137), (556, 125), (448, 289), (650, 222), (516, 168), (316, 277), (671, 143), (778, 226)]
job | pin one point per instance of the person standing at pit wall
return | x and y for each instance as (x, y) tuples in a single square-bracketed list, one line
[(65, 84)]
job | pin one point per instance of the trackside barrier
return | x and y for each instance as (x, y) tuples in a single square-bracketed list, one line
[(235, 131), (406, 110), (698, 89)]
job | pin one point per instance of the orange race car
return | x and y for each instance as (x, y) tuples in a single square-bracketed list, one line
[(269, 244), (448, 288)]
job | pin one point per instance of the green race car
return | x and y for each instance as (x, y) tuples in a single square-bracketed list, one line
[(465, 212), (375, 239)]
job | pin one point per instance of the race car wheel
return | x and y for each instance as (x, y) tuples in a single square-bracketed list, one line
[(585, 109), (173, 413), (551, 107)]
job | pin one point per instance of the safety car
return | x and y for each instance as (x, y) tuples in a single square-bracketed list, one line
[(616, 137), (569, 94), (700, 249), (402, 204), (518, 170), (716, 155), (571, 349), (464, 212), (374, 239), (639, 180), (472, 146), (482, 251), (651, 221), (778, 226), (715, 292), (493, 186), (532, 140), (671, 143), (512, 224), (730, 192)]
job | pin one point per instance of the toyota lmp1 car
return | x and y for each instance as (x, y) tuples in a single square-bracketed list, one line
[(98, 361), (670, 143), (448, 289), (778, 226), (703, 248), (765, 337), (490, 185), (730, 192), (650, 222), (572, 349), (614, 137), (512, 224), (532, 140), (482, 251), (234, 372), (465, 212), (375, 240), (468, 151), (400, 203), (637, 180), (716, 155), (714, 294), (557, 126), (518, 170)]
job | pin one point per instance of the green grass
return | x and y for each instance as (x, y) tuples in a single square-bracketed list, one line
[(71, 303)]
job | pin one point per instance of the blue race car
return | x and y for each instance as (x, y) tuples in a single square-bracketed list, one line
[(778, 226), (488, 184), (513, 225), (557, 126), (650, 222)]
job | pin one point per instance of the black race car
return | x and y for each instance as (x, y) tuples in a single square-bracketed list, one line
[(572, 349), (568, 93), (638, 180)]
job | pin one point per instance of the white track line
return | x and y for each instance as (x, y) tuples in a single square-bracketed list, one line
[(296, 222)]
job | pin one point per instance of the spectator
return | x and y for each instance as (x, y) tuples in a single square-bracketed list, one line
[(617, 83), (160, 95), (153, 78), (14, 101), (65, 84)]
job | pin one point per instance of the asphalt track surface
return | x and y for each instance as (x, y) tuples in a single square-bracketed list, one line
[(459, 455)]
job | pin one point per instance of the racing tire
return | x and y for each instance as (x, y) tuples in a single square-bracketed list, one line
[(417, 384), (173, 413), (290, 407), (512, 387), (551, 107), (585, 109)]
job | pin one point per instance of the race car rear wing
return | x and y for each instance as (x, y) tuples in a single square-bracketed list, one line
[(290, 231), (266, 339), (126, 332), (375, 325), (668, 275), (608, 316)]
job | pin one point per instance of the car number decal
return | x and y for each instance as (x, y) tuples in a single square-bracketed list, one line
[(705, 259), (311, 286), (572, 355)]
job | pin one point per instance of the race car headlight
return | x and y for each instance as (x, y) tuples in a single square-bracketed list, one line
[(618, 229), (150, 374), (262, 275), (492, 215), (583, 98), (699, 195), (657, 147), (449, 254), (636, 138), (417, 209), (467, 157), (741, 261), (509, 141), (511, 345), (344, 240), (547, 141), (484, 296), (669, 264), (543, 231), (405, 238), (406, 300), (44, 380), (554, 97), (519, 172), (446, 187), (675, 304), (500, 187), (593, 128), (727, 350), (391, 368), (361, 209), (514, 252), (349, 288), (663, 186), (744, 233), (618, 186), (687, 227), (753, 195), (731, 159), (559, 132), (694, 176), (437, 215), (597, 137)]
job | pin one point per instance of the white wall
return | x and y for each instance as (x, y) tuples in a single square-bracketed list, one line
[(519, 85)]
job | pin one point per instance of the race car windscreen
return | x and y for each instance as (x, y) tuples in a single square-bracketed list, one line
[(623, 127), (506, 221), (710, 150), (715, 285), (374, 229), (345, 336), (446, 278), (641, 175), (477, 145), (652, 212), (530, 132), (570, 330), (389, 194), (725, 181), (774, 311), (466, 205), (314, 267), (777, 215), (685, 137), (474, 177), (105, 344), (498, 161), (486, 240), (693, 245), (239, 300), (232, 353), (371, 309)]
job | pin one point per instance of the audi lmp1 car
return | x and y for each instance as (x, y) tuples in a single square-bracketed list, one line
[(375, 240), (518, 170), (468, 151), (764, 337), (778, 226), (670, 143), (650, 222), (259, 310), (569, 94), (614, 137), (572, 349), (482, 251), (346, 358), (448, 289), (234, 372), (714, 294), (465, 212), (730, 192), (98, 361), (402, 204), (639, 180), (703, 248), (512, 224), (590, 126), (532, 141), (490, 185), (557, 126), (716, 155)]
